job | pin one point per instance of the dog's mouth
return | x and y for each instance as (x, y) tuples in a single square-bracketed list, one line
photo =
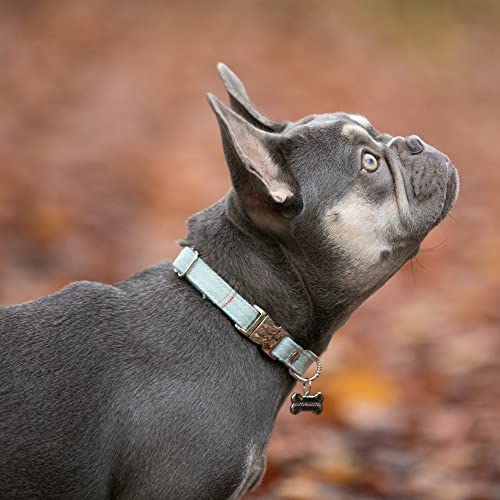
[(452, 187)]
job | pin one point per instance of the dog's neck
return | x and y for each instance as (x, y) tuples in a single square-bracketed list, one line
[(268, 274)]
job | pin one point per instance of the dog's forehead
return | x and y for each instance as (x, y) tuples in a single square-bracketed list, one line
[(353, 126), (361, 119), (339, 118)]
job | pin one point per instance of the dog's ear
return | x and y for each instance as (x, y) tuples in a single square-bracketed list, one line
[(260, 176), (241, 104)]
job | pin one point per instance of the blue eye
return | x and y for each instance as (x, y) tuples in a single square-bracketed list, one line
[(369, 162)]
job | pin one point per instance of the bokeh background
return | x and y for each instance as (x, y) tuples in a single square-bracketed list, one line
[(107, 144)]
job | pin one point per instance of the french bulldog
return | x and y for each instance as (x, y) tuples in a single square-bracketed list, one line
[(143, 389)]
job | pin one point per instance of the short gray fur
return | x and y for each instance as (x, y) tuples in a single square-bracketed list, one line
[(142, 389)]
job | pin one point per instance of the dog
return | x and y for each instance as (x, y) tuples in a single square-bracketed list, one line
[(144, 389)]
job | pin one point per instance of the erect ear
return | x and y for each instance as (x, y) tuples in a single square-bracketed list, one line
[(258, 171), (241, 104)]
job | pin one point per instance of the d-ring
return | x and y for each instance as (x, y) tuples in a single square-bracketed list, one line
[(306, 390), (309, 379)]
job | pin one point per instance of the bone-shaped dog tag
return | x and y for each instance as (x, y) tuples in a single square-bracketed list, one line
[(306, 402)]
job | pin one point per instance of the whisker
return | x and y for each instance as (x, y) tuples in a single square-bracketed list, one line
[(437, 247), (433, 249), (419, 263), (413, 271)]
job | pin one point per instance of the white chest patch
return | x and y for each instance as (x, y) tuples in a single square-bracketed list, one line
[(361, 228), (255, 469)]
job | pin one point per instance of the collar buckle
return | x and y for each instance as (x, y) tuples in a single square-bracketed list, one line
[(264, 332), (256, 323)]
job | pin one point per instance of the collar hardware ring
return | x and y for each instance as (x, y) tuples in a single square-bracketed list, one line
[(194, 259), (306, 380)]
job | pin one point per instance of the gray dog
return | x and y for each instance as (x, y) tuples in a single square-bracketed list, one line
[(144, 389)]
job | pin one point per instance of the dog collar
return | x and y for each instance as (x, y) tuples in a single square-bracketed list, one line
[(253, 322)]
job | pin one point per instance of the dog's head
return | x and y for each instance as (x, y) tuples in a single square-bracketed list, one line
[(353, 199)]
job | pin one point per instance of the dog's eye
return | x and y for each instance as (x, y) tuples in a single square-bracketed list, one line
[(369, 162)]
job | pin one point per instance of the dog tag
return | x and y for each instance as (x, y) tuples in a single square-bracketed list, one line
[(306, 402)]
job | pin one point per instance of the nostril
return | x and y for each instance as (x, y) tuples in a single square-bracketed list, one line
[(415, 144)]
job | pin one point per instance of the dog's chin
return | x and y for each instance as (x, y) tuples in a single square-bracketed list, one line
[(452, 188)]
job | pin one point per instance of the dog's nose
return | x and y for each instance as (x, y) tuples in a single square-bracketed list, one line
[(415, 144)]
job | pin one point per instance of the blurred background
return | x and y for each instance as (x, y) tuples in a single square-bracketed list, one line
[(107, 144)]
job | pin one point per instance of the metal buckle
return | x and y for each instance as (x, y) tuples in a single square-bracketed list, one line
[(262, 318), (264, 332), (191, 264)]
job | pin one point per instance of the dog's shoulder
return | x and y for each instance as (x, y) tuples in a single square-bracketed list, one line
[(84, 292), (74, 305), (76, 290)]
